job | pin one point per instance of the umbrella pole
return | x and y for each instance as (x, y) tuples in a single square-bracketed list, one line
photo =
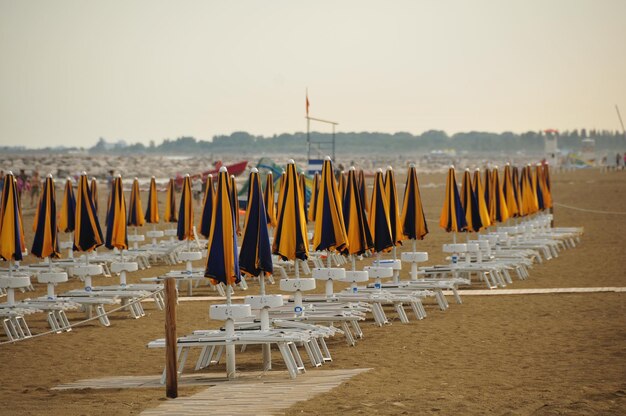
[(454, 238), (414, 243), (230, 332), (70, 252), (10, 267), (377, 282), (353, 261), (262, 284)]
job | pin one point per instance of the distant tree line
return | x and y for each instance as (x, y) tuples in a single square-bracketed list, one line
[(243, 143)]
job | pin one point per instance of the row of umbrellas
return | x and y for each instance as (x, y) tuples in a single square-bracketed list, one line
[(483, 202), (344, 223)]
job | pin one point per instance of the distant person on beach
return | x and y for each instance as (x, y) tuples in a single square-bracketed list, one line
[(35, 188), (110, 178), (618, 161), (22, 183)]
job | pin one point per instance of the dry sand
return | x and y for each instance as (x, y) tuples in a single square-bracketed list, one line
[(546, 354)]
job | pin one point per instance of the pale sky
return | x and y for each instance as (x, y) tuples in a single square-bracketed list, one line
[(74, 71)]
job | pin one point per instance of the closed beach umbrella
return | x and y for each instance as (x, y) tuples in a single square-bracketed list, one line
[(281, 188), (355, 219), (222, 260), (539, 187), (379, 216), (67, 215), (234, 201), (11, 229), (452, 216), (290, 235), (207, 207), (394, 211), (363, 190), (135, 210), (87, 235), (256, 252), (116, 234), (517, 190), (45, 243), (542, 172), (268, 200), (341, 184), (412, 218), (303, 192), (94, 193), (470, 204), (152, 211), (170, 203), (184, 231), (489, 200), (501, 212), (509, 192), (479, 193), (529, 198), (313, 201), (330, 230)]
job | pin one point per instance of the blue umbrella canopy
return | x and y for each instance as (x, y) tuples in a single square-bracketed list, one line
[(268, 200), (290, 235), (357, 229), (479, 193), (135, 211), (11, 229), (394, 213), (207, 207), (413, 219), (152, 212), (256, 252), (87, 235), (470, 204), (379, 216), (222, 265), (170, 203), (234, 203), (116, 235), (184, 230), (330, 230), (452, 216), (45, 243), (67, 215), (363, 190)]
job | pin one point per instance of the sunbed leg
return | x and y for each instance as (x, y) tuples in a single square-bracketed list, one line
[(357, 329), (325, 352), (102, 315), (296, 356), (311, 354), (455, 291), (267, 355), (348, 334), (52, 321), (290, 362), (9, 329)]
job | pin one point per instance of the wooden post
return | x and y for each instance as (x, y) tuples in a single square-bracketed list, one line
[(171, 370)]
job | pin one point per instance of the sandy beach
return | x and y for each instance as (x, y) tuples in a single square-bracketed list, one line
[(542, 354)]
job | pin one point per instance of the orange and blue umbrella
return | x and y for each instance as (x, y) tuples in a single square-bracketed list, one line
[(313, 202), (379, 216), (281, 189), (529, 198), (45, 242), (87, 235), (268, 200), (517, 190), (470, 204), (234, 203), (116, 234), (479, 193), (135, 210), (256, 252), (170, 203), (363, 190), (394, 211), (184, 231), (412, 218), (290, 234), (67, 215), (207, 207), (357, 229), (222, 260), (500, 211), (542, 173), (509, 192), (330, 231), (152, 211), (94, 193), (452, 216), (341, 184), (11, 229)]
